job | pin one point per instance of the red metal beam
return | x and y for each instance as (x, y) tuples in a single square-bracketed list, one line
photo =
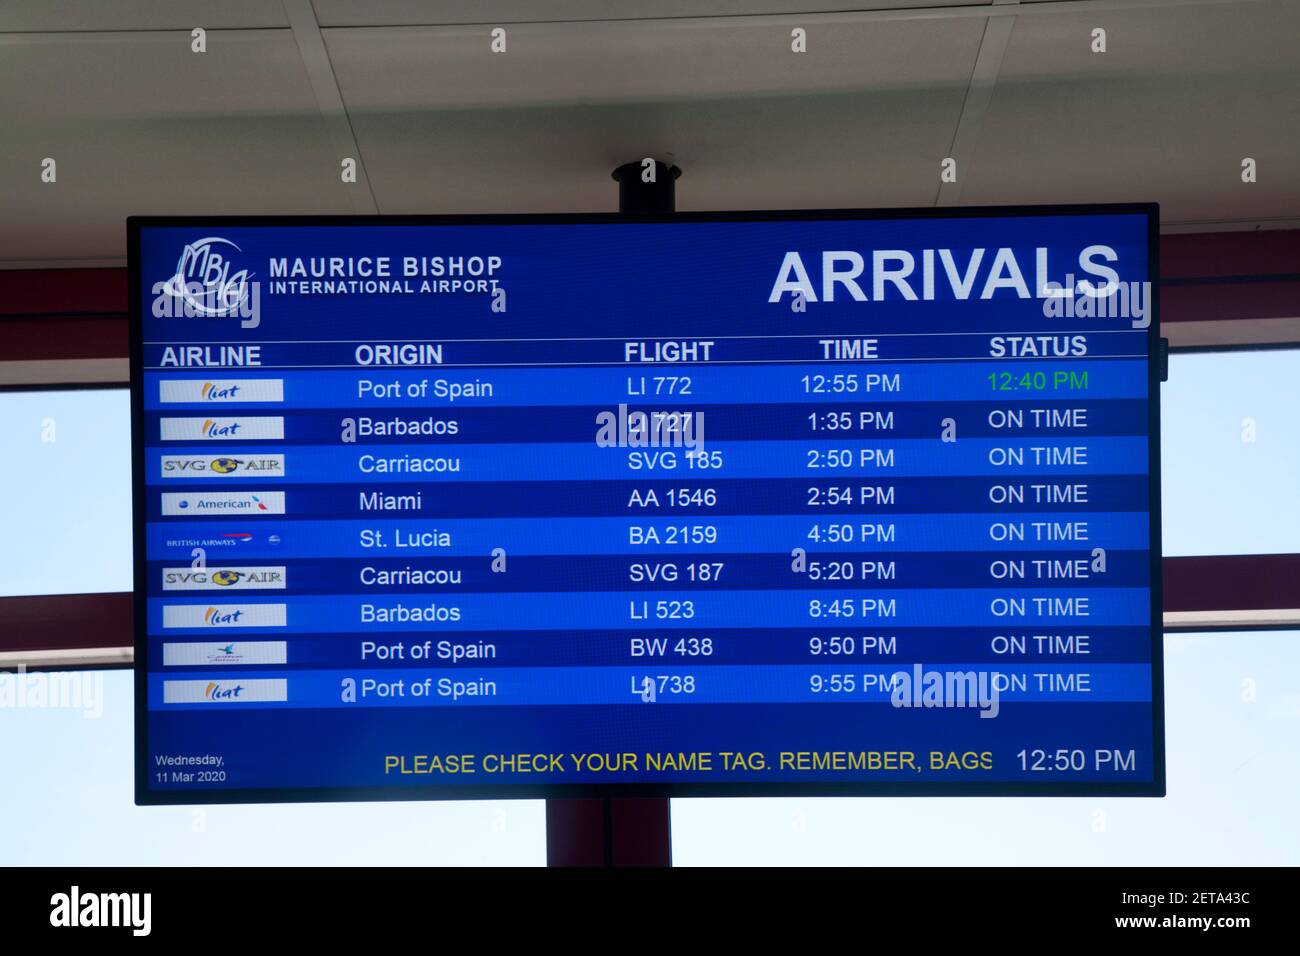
[(62, 338), (1201, 255), (1232, 582), (621, 832), (66, 621), (27, 292)]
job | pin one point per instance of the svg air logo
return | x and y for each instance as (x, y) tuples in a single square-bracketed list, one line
[(207, 285), (204, 466), (214, 579)]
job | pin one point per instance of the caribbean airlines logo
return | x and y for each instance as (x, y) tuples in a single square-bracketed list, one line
[(217, 654), (207, 285)]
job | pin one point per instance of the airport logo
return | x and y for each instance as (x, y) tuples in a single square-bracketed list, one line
[(216, 579), (222, 429), (225, 655), (225, 692), (223, 616), (205, 466), (223, 503), (204, 285), (225, 391)]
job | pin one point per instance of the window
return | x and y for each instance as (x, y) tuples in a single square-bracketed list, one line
[(1232, 714), (1231, 465), (69, 769), (68, 802), (66, 487), (1230, 453)]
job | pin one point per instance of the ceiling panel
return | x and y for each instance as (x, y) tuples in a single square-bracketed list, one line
[(444, 125), (453, 67), (445, 12), (140, 125), (1167, 114), (49, 15), (737, 154)]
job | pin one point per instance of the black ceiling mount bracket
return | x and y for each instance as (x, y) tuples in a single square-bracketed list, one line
[(637, 195)]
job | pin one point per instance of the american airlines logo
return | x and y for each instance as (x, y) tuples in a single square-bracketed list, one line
[(223, 503), (206, 284)]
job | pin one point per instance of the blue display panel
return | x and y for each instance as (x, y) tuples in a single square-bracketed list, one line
[(818, 502)]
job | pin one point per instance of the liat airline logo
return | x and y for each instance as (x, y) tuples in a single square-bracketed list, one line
[(220, 391), (218, 691), (214, 617), (251, 428), (214, 393), (216, 430), (205, 283)]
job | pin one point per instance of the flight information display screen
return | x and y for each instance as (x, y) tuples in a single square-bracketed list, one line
[(843, 502)]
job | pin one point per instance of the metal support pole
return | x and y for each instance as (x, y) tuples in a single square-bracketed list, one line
[(624, 831)]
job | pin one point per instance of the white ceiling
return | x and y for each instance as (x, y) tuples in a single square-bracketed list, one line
[(259, 123)]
